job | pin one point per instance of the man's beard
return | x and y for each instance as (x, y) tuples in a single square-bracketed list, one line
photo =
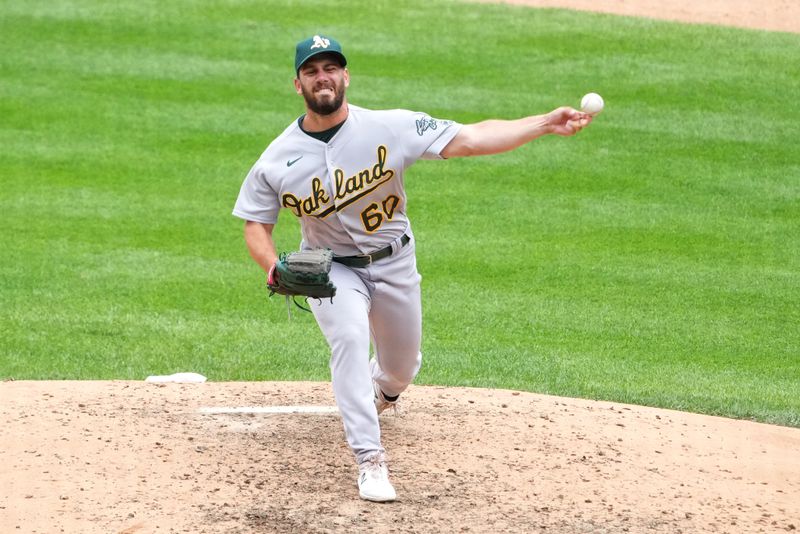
[(328, 105)]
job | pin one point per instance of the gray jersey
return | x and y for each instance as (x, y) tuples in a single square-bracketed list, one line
[(348, 193)]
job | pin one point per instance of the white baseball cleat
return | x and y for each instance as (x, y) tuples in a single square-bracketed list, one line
[(381, 404), (373, 479)]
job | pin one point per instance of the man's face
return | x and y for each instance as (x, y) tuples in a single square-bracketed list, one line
[(322, 82)]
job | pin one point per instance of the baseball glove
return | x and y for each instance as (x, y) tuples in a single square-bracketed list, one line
[(303, 273)]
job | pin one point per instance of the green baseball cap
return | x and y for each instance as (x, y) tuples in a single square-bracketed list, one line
[(318, 44)]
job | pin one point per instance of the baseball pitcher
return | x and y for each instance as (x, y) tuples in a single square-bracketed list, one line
[(340, 169)]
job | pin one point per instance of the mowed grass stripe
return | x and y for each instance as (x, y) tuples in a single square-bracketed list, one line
[(652, 259)]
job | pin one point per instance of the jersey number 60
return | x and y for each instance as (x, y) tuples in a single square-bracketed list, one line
[(373, 216)]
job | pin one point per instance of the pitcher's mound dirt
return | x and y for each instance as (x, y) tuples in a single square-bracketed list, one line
[(112, 457)]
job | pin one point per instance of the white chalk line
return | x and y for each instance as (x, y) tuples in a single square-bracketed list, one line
[(318, 410)]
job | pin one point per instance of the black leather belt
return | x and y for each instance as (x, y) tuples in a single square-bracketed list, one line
[(362, 260)]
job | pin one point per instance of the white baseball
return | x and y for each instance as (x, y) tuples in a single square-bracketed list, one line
[(592, 103)]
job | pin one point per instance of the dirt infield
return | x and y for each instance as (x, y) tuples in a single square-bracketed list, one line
[(131, 457), (774, 15)]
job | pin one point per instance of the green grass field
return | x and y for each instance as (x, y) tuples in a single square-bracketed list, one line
[(654, 259)]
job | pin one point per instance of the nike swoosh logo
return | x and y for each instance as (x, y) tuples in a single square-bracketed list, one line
[(293, 161)]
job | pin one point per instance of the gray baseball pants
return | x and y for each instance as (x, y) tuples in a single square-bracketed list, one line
[(379, 306)]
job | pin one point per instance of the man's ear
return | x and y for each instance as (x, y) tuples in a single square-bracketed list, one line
[(346, 77), (297, 86)]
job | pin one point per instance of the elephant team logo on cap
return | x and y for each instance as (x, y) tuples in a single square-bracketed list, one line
[(320, 42)]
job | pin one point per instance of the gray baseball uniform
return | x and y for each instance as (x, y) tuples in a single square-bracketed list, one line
[(349, 196)]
